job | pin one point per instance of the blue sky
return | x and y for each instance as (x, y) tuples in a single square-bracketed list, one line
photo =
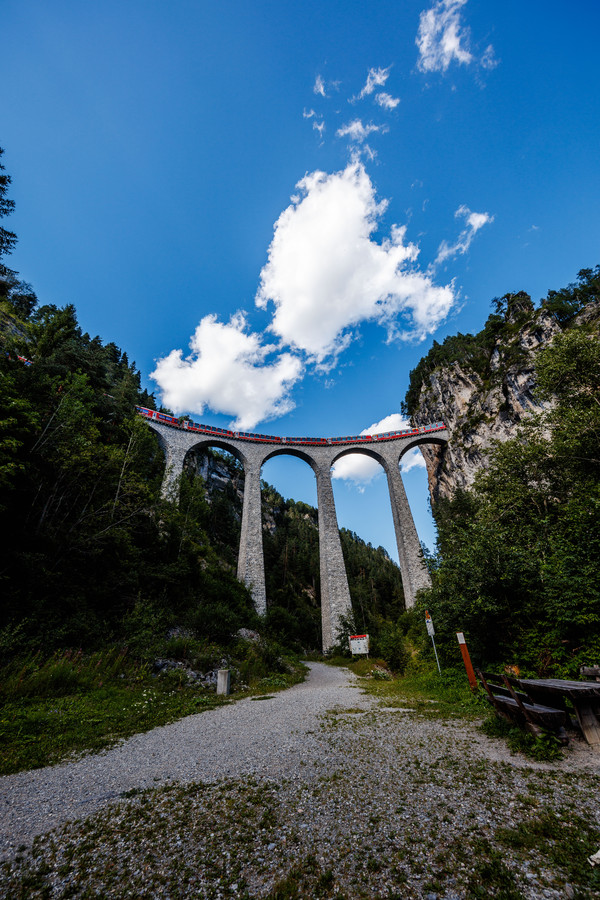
[(311, 192)]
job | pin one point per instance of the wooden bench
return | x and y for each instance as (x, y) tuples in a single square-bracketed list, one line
[(584, 696), (518, 707)]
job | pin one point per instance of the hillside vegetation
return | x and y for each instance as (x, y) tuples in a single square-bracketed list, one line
[(93, 554), (518, 561), (512, 313)]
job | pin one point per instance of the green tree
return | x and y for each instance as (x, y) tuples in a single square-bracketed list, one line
[(8, 239), (519, 567)]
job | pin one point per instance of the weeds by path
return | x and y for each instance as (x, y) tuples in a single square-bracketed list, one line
[(449, 696), (74, 703)]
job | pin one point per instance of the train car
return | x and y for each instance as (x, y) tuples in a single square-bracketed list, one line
[(147, 413), (188, 425), (168, 420), (394, 435), (311, 441), (164, 418), (352, 439), (258, 438)]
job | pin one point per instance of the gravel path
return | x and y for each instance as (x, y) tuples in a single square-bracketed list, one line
[(317, 792), (265, 737)]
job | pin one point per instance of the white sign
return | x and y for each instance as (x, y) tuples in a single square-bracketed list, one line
[(429, 624), (359, 643), (461, 637)]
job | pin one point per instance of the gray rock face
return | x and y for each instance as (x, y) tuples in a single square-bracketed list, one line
[(481, 412), (216, 473)]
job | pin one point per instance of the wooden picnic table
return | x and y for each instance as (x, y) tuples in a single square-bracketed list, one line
[(584, 695)]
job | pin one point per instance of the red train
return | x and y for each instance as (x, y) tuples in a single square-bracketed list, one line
[(188, 425)]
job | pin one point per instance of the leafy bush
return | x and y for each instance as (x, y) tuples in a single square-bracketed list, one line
[(390, 644)]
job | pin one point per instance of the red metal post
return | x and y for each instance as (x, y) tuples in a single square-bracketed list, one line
[(467, 660)]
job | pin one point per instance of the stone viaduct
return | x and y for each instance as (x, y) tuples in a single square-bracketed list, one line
[(335, 594)]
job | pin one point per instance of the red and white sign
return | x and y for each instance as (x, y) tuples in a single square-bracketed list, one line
[(359, 643), (429, 624)]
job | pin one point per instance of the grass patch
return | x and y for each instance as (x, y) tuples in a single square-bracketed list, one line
[(305, 879), (74, 703), (565, 839), (433, 695), (361, 666), (491, 877), (545, 748), (40, 731), (449, 696)]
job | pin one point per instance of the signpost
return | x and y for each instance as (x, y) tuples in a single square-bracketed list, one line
[(431, 633), (359, 643)]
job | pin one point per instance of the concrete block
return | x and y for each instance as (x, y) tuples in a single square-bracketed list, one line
[(223, 681)]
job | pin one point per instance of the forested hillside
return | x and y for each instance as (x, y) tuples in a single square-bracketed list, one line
[(518, 564), (91, 550)]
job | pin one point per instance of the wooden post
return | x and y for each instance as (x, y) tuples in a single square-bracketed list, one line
[(467, 660)]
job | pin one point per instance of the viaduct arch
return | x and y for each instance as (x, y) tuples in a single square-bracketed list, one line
[(254, 450)]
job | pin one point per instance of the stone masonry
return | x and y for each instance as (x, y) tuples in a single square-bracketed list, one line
[(335, 594)]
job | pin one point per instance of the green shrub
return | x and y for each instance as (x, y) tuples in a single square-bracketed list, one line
[(391, 645)]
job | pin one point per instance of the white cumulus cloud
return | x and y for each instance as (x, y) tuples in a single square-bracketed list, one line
[(361, 469), (325, 274), (441, 38), (228, 370), (474, 221)]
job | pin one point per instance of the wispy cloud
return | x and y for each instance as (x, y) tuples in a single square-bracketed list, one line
[(488, 59), (361, 469), (325, 275), (441, 38), (358, 132), (387, 101), (320, 127), (308, 113), (319, 86), (474, 221), (231, 371), (376, 78)]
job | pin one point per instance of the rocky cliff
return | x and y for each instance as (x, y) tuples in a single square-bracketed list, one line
[(483, 386)]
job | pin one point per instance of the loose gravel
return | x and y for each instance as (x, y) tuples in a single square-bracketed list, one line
[(315, 792)]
